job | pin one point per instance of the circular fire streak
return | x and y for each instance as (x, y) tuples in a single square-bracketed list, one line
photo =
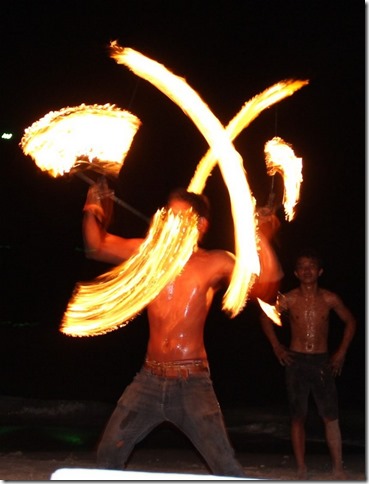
[(117, 296)]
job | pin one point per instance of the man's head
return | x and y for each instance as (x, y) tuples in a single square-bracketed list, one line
[(181, 199), (308, 266), (309, 253)]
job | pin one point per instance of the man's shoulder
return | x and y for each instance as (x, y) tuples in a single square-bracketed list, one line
[(215, 263), (329, 296), (216, 254)]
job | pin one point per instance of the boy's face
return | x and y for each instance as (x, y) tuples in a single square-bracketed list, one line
[(307, 270)]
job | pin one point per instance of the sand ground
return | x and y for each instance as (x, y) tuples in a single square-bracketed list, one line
[(39, 466)]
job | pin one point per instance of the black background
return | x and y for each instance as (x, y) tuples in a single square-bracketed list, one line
[(55, 54)]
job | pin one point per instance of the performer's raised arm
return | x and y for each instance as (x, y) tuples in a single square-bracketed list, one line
[(100, 244)]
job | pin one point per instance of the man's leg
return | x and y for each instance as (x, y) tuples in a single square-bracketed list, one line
[(326, 398), (196, 412), (298, 445), (297, 377), (136, 414), (334, 442)]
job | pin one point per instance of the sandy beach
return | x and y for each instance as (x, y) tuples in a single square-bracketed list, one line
[(39, 466), (39, 438)]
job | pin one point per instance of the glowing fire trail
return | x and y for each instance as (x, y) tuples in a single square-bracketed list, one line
[(270, 311), (110, 287), (116, 297), (243, 118), (230, 162), (74, 136), (281, 158)]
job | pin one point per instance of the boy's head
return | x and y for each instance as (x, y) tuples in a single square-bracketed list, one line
[(309, 253), (308, 267), (198, 202)]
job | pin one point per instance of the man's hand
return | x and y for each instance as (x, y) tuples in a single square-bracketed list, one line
[(283, 355), (336, 363), (99, 202), (268, 222)]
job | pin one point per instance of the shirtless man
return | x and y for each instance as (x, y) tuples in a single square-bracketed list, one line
[(308, 365), (174, 383)]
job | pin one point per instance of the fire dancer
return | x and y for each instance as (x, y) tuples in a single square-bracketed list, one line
[(174, 383), (309, 368)]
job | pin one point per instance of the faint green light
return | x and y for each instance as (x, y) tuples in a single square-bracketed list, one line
[(6, 136)]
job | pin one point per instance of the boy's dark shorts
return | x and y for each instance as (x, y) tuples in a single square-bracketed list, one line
[(311, 373)]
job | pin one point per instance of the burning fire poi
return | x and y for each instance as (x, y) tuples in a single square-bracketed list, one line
[(65, 139), (91, 309)]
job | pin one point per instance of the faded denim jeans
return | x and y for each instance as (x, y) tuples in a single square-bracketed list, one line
[(189, 403)]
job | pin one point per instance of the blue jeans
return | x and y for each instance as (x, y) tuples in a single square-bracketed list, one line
[(189, 403)]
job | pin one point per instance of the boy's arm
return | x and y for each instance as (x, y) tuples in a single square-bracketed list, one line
[(99, 244)]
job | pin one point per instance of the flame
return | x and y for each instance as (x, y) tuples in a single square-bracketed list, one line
[(66, 139), (230, 163), (281, 158), (242, 201), (271, 312), (116, 297), (249, 111)]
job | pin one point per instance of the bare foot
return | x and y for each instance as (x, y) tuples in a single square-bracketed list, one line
[(302, 473), (340, 475)]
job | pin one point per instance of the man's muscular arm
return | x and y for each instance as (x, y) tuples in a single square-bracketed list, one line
[(99, 244)]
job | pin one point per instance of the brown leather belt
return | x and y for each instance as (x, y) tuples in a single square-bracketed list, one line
[(176, 369)]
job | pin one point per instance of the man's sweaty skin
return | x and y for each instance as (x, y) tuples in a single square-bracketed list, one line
[(309, 307), (178, 314), (176, 363)]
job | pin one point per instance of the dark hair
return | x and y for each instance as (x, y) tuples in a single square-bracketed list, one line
[(309, 253), (199, 202)]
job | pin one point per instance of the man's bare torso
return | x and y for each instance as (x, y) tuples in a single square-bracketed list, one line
[(177, 316), (309, 319)]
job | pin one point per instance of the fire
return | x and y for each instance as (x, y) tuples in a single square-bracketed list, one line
[(270, 311), (102, 135), (281, 158), (249, 111), (242, 202), (230, 163), (74, 136), (116, 297)]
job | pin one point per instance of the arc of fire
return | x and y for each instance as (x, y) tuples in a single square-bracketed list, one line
[(222, 151)]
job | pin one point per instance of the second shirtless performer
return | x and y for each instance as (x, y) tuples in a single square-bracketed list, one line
[(309, 368), (174, 383)]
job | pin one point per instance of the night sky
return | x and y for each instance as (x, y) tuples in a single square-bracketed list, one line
[(55, 54)]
